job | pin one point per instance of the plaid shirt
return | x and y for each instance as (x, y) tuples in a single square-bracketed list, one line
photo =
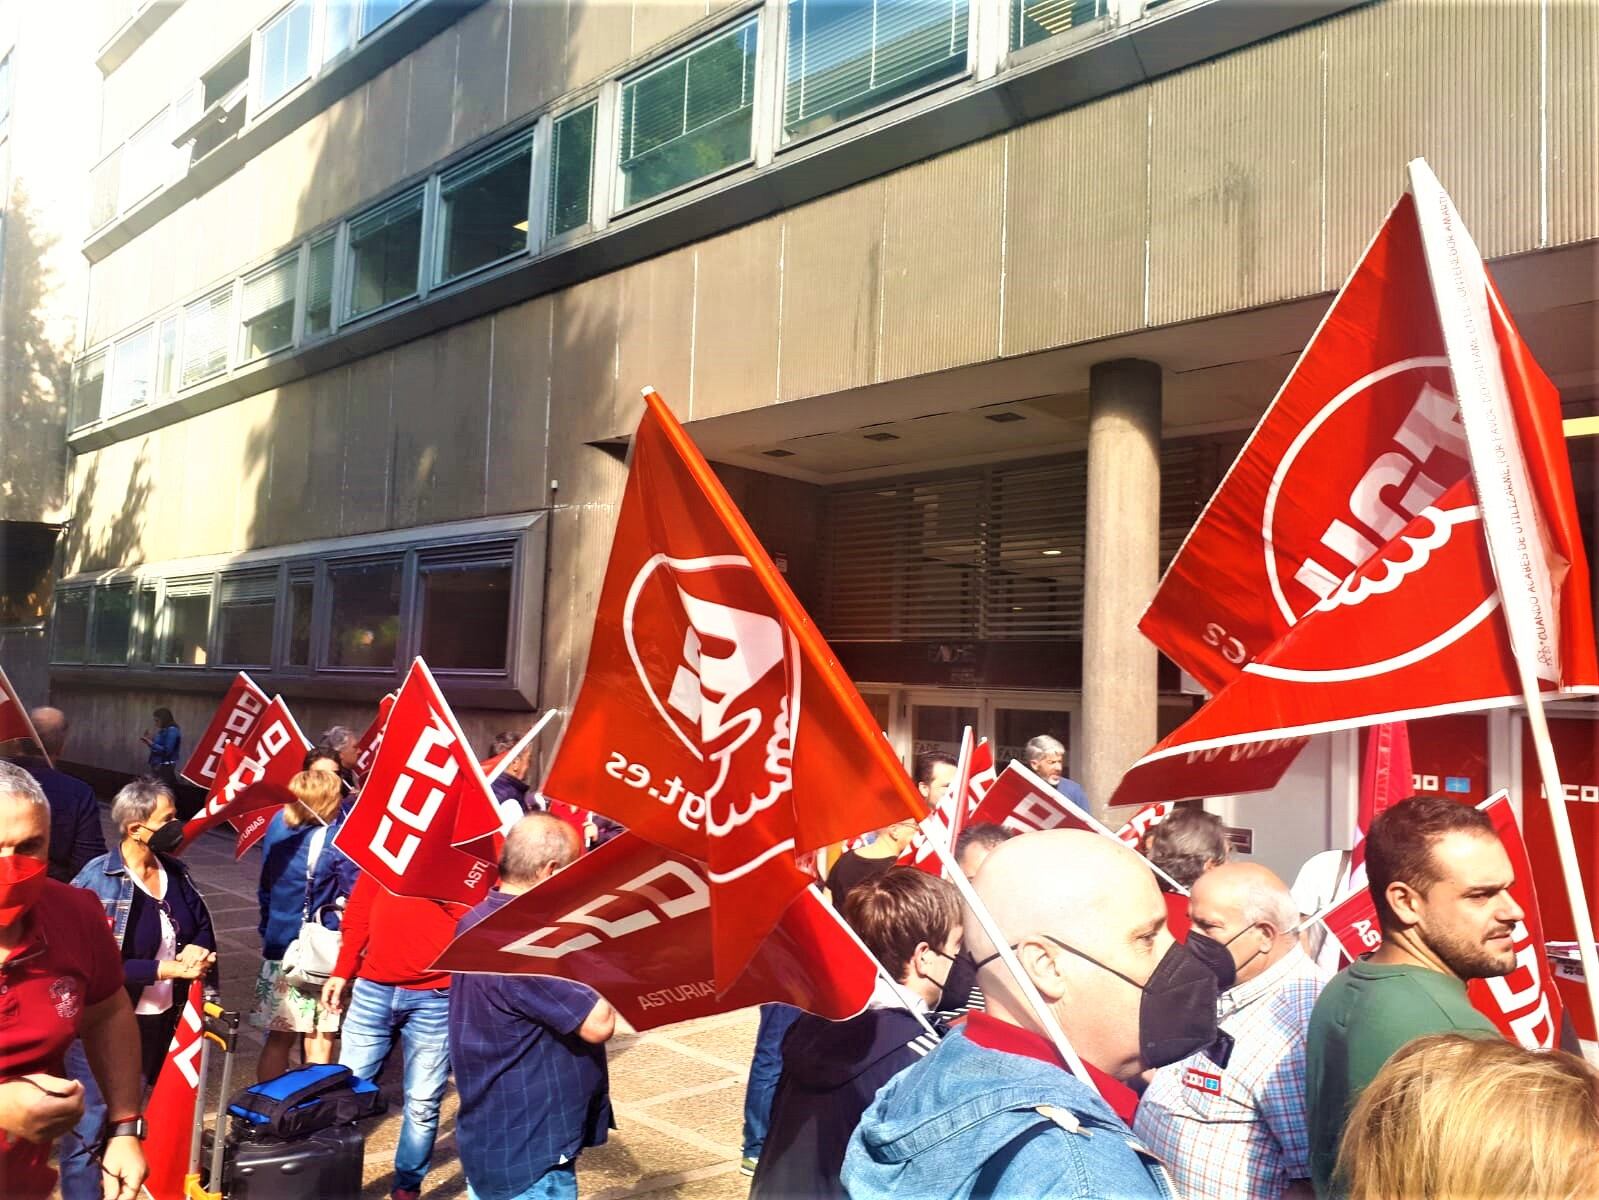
[(1239, 1131)]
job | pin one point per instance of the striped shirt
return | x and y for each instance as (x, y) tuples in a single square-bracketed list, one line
[(1237, 1132)]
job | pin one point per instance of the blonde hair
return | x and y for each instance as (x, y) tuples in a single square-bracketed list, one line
[(316, 798), (1457, 1118)]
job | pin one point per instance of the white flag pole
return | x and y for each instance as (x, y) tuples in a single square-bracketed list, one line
[(522, 743), (1509, 516), (1046, 1016)]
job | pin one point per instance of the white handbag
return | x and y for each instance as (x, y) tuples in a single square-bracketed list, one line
[(309, 959)]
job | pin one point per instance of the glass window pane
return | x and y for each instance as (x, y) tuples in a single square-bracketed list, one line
[(71, 626), (301, 596), (205, 337), (338, 27), (1034, 20), (366, 615), (378, 11), (130, 371), (113, 625), (319, 295), (245, 612), (466, 616), (144, 626), (188, 623), (385, 252), (284, 53), (689, 117), (1015, 727), (166, 357), (936, 727), (847, 56), (88, 390), (571, 171), (147, 161), (483, 208), (266, 308)]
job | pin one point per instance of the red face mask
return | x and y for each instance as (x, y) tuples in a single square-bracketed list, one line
[(21, 880)]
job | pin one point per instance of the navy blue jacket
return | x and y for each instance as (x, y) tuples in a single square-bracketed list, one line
[(136, 922), (75, 835), (831, 1072)]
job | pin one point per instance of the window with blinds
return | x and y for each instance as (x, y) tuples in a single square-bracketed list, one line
[(166, 357), (386, 254), (1033, 21), (246, 604), (571, 171), (205, 337), (319, 292), (988, 554), (690, 116), (186, 621), (847, 56), (88, 389), (266, 308), (483, 207)]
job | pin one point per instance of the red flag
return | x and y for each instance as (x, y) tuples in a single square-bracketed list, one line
[(713, 720), (373, 737), (233, 721), (1524, 1004), (1345, 549), (974, 775), (1385, 780), (252, 778), (169, 1115), (15, 724), (424, 798), (633, 921), (1142, 821)]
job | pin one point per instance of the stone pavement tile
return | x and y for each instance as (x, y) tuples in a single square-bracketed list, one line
[(724, 1183), (730, 1042), (717, 1116), (647, 1069), (635, 1154)]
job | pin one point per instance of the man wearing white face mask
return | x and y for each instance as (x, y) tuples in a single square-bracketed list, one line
[(1237, 1128)]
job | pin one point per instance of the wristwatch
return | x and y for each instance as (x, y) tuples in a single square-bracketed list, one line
[(132, 1127)]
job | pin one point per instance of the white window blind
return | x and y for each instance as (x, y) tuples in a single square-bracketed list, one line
[(205, 337), (319, 293), (270, 288), (259, 588)]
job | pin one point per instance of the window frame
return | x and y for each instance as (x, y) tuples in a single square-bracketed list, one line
[(472, 556), (91, 640), (303, 332), (218, 604), (163, 622), (545, 198), (103, 353), (507, 147), (295, 258), (109, 390), (345, 301), (229, 322), (322, 647), (255, 106), (70, 593)]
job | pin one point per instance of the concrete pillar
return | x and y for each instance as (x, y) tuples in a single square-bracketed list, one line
[(1122, 562)]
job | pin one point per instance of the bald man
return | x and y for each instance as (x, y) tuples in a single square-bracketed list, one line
[(75, 834), (1238, 1128), (993, 1111), (528, 1051)]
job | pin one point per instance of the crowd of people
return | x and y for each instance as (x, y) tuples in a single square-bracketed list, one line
[(1219, 1058)]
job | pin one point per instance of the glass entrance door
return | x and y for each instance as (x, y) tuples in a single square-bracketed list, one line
[(936, 724)]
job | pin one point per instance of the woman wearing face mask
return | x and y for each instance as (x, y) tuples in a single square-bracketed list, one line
[(157, 917)]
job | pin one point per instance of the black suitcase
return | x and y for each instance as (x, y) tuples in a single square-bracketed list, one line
[(325, 1164)]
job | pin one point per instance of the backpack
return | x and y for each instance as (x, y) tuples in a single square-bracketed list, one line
[(304, 1100)]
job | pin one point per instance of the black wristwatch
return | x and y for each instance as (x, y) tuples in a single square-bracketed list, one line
[(132, 1127)]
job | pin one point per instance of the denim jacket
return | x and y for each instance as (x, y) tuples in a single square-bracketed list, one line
[(109, 879), (967, 1121)]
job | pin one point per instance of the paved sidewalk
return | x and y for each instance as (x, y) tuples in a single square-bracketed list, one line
[(678, 1092)]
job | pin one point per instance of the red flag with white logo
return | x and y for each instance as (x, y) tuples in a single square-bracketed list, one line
[(1385, 780), (367, 747), (713, 720), (633, 921), (251, 781), (1142, 821), (15, 724), (234, 720), (423, 800), (1524, 1003), (974, 775), (169, 1116), (1341, 575)]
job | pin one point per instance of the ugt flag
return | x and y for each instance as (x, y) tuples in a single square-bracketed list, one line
[(633, 921), (1345, 571), (1524, 1003), (15, 724), (170, 1113), (713, 720), (974, 775), (234, 720), (251, 779), (423, 800)]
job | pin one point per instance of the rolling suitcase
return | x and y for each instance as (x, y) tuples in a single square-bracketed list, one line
[(325, 1164)]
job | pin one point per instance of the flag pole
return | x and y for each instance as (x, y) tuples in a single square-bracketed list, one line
[(1046, 1016), (522, 743), (882, 971), (1509, 517)]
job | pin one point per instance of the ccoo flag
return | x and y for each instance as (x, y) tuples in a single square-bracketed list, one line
[(251, 778), (170, 1112), (1341, 575), (713, 719), (234, 720)]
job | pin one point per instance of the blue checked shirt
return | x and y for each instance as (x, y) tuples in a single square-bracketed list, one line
[(1239, 1132), (533, 1093)]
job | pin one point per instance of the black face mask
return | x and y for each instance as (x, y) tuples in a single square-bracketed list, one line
[(167, 838)]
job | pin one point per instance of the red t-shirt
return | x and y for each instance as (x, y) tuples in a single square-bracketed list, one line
[(393, 939), (993, 1034), (68, 962)]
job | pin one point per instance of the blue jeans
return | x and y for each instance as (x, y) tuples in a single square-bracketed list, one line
[(80, 1174), (765, 1068), (558, 1183), (376, 1014)]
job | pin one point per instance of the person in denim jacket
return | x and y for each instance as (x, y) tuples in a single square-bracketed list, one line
[(993, 1111)]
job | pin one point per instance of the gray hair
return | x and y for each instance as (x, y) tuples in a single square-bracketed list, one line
[(534, 843), (16, 782), (339, 736), (1187, 842), (1268, 902), (1039, 746), (136, 801)]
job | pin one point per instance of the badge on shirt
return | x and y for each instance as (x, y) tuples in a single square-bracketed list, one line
[(64, 994), (1202, 1081)]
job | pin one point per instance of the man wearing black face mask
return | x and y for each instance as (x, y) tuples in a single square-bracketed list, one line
[(994, 1111), (1237, 1128)]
